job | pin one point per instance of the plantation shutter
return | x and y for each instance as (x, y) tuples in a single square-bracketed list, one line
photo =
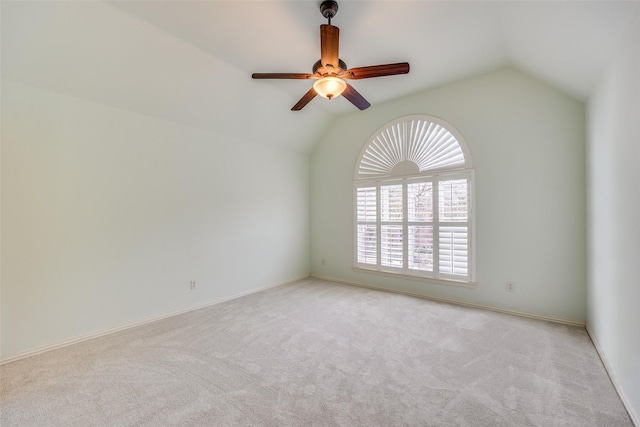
[(391, 233), (366, 239), (413, 206), (454, 229)]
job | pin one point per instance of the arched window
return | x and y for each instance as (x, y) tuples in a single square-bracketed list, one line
[(413, 202)]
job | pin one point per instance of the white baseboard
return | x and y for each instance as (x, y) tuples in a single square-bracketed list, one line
[(457, 302), (635, 419), (29, 353)]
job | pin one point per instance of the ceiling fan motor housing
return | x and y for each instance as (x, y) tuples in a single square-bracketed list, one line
[(318, 65)]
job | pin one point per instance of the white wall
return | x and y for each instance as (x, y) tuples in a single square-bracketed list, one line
[(107, 215), (527, 143), (614, 211)]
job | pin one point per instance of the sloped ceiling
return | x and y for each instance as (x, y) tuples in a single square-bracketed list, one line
[(191, 61)]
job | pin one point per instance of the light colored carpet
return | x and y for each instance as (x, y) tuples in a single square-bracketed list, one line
[(319, 353)]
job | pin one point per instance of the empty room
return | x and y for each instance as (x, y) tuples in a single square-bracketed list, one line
[(353, 213)]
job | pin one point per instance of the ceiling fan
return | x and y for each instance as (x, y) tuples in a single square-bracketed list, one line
[(330, 71)]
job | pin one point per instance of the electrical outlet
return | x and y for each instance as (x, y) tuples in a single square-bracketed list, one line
[(192, 284), (511, 287)]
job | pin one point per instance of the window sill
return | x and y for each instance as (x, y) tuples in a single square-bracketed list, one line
[(448, 282)]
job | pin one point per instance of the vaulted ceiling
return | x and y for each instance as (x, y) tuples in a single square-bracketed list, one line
[(190, 62)]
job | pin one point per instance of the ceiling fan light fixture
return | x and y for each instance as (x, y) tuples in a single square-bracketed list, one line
[(330, 87)]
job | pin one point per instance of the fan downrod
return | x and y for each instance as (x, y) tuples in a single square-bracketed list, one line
[(329, 9)]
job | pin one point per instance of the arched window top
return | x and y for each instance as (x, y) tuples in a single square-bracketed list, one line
[(413, 145)]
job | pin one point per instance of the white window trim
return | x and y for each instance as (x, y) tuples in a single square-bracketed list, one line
[(434, 175), (449, 282)]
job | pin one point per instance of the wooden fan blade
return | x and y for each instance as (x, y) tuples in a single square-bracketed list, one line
[(376, 71), (305, 100), (355, 98), (329, 40), (292, 76)]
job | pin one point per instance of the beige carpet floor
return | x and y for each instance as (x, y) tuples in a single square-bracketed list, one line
[(322, 354)]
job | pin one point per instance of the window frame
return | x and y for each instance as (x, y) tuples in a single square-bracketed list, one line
[(435, 176)]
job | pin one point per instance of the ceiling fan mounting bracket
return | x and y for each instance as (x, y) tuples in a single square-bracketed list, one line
[(329, 9)]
